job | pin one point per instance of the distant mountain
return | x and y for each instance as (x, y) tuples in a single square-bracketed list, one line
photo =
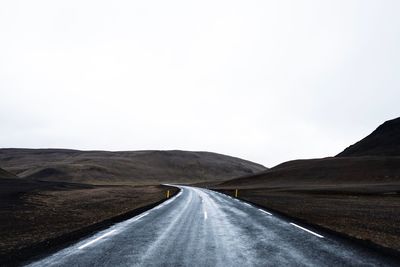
[(384, 141), (137, 167), (373, 160), (6, 174)]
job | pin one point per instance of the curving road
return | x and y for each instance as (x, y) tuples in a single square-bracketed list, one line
[(199, 227)]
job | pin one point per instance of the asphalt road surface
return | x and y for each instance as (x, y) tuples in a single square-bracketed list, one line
[(199, 227)]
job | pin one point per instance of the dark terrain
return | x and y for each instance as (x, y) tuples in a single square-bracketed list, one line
[(356, 193), (369, 173), (32, 212), (62, 194), (129, 167), (5, 174)]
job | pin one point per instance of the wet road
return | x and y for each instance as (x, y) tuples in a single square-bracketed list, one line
[(199, 227)]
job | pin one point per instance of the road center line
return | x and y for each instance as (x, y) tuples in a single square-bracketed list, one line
[(204, 209), (265, 211), (97, 239), (311, 232)]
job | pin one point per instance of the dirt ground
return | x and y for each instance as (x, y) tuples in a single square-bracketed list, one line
[(364, 214), (32, 211)]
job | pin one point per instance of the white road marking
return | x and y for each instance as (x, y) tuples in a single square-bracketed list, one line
[(97, 239), (311, 232), (204, 208), (113, 231), (141, 216), (265, 211)]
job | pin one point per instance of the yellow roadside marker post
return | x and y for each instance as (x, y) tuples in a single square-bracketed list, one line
[(167, 193), (236, 192)]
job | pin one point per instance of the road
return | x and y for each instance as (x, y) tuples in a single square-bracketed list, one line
[(199, 227)]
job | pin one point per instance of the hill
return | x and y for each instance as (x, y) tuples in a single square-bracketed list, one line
[(6, 175), (375, 160), (333, 172), (133, 167), (384, 141)]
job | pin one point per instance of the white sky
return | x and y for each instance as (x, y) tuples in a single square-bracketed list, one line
[(267, 81)]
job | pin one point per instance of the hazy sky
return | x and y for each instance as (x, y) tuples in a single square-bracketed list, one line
[(267, 81)]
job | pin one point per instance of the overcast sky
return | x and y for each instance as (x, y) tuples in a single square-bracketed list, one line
[(267, 81)]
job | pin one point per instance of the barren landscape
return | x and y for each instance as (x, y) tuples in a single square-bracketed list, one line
[(62, 195), (124, 167)]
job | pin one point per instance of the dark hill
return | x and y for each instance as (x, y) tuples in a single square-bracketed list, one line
[(6, 175), (331, 172), (373, 160), (137, 167), (384, 141)]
